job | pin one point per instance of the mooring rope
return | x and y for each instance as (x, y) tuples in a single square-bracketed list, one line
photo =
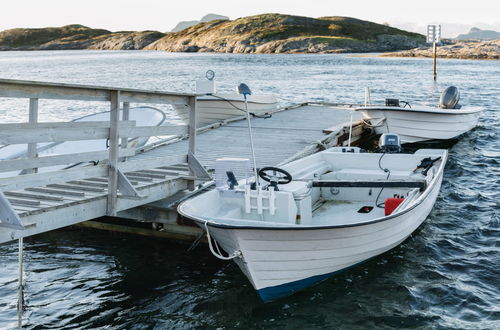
[(219, 255)]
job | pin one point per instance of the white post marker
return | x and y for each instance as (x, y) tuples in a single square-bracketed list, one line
[(434, 36)]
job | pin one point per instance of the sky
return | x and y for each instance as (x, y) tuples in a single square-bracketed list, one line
[(163, 15)]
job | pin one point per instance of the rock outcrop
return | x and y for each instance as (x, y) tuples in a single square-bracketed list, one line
[(481, 50), (276, 33), (75, 37)]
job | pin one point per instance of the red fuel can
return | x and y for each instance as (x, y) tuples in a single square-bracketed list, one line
[(391, 204)]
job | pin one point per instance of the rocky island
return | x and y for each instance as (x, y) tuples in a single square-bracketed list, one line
[(276, 33), (467, 49), (266, 33)]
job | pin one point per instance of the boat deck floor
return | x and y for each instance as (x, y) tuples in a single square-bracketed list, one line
[(344, 213)]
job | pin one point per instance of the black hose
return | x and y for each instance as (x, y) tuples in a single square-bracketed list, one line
[(386, 170)]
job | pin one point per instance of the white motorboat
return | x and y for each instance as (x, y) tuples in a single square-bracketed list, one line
[(318, 215), (213, 107), (143, 116), (423, 123)]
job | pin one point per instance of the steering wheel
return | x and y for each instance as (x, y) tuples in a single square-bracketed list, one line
[(270, 174)]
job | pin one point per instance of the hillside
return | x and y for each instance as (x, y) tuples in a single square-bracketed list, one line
[(276, 33), (75, 37), (266, 33)]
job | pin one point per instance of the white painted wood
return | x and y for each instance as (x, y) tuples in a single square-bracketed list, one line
[(114, 145), (125, 187), (59, 132), (70, 124), (8, 216), (33, 119), (61, 176), (125, 117), (44, 90), (23, 163)]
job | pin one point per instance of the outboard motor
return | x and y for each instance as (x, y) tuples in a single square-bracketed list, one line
[(389, 143), (449, 98)]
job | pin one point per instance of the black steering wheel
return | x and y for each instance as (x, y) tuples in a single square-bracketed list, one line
[(270, 174)]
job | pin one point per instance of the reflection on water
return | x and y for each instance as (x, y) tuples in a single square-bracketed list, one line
[(446, 275)]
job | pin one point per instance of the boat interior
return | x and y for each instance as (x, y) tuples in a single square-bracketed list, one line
[(331, 188)]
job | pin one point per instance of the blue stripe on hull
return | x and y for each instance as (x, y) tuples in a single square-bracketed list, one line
[(279, 291)]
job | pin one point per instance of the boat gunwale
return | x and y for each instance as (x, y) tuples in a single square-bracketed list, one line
[(418, 202), (465, 111)]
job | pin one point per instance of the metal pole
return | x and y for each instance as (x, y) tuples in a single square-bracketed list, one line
[(434, 48), (20, 288), (251, 144)]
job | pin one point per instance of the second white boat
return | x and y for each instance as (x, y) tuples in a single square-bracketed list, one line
[(423, 123)]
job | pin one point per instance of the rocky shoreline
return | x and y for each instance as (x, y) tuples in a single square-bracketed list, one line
[(471, 49)]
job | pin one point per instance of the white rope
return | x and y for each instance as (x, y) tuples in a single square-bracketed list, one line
[(219, 255)]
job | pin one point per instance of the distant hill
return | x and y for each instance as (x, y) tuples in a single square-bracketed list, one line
[(478, 34), (207, 18), (277, 33), (266, 33), (75, 37)]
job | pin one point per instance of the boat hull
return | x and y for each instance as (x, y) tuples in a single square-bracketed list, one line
[(219, 107), (279, 262), (419, 125)]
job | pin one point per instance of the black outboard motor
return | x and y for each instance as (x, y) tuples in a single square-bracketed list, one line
[(449, 98), (389, 143)]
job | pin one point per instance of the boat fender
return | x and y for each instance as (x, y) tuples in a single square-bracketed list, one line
[(391, 204)]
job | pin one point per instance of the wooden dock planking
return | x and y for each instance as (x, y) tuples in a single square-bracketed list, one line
[(276, 139)]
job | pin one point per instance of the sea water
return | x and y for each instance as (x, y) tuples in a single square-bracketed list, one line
[(445, 276)]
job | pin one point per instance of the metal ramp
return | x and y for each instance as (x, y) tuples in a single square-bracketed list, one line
[(62, 203)]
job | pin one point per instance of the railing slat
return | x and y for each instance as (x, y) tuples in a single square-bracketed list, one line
[(24, 163), (45, 90), (61, 133)]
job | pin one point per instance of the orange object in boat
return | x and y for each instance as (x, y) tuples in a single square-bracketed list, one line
[(391, 204)]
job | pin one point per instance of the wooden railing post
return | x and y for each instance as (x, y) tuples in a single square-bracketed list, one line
[(114, 146), (33, 119), (125, 117), (193, 123)]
